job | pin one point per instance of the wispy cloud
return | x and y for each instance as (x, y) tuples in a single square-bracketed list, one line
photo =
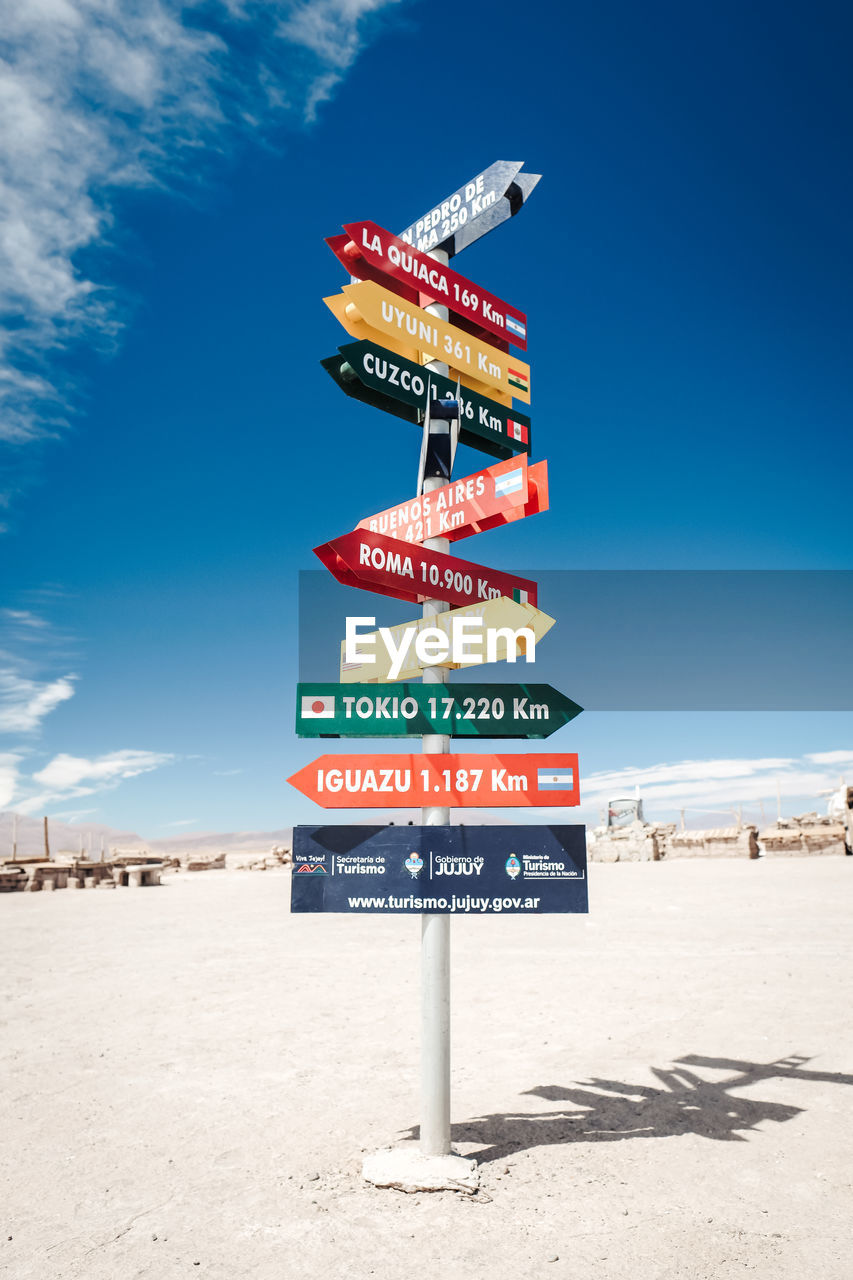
[(30, 649), (70, 777), (24, 703), (8, 778), (99, 95), (706, 786), (844, 759), (331, 30), (33, 654), (23, 618)]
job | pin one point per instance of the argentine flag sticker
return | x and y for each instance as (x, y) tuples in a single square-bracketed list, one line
[(555, 779), (510, 482), (515, 327)]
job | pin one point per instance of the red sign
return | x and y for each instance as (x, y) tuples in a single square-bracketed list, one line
[(508, 491), (408, 572), (371, 249), (459, 781), (358, 268)]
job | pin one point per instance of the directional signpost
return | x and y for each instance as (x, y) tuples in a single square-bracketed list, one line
[(482, 204), (460, 781), (409, 710), (367, 310), (435, 349), (381, 378)]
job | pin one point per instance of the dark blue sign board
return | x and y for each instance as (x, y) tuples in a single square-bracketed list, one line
[(458, 870)]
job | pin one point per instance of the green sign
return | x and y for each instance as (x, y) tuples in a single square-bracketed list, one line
[(387, 381), (409, 710)]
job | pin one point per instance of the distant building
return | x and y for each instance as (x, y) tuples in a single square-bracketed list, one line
[(624, 811)]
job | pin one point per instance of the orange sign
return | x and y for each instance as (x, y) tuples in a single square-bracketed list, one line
[(462, 781), (407, 329)]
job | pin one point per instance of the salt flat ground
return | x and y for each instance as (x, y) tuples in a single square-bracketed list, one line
[(661, 1089)]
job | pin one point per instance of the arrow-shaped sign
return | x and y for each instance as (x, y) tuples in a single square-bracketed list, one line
[(459, 781), (395, 653), (497, 495), (427, 281), (366, 310), (459, 710), (386, 381), (407, 572), (342, 247), (482, 204)]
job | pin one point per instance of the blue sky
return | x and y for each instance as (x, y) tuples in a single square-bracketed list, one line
[(172, 450)]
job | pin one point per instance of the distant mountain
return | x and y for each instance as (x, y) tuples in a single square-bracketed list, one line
[(64, 837), (227, 842), (71, 837)]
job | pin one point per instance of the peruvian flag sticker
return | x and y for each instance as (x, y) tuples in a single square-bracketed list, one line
[(318, 708)]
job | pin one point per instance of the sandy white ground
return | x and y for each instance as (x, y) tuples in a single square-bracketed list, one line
[(662, 1089)]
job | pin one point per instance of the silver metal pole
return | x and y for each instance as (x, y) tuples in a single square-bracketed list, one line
[(435, 929)]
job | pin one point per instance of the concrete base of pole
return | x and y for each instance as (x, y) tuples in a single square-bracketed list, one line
[(407, 1169)]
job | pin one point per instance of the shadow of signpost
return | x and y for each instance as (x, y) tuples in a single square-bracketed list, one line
[(612, 1110)]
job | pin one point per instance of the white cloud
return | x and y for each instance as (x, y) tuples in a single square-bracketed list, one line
[(8, 778), (65, 772), (24, 618), (68, 777), (721, 785), (833, 757), (690, 772), (97, 95), (24, 703), (330, 30)]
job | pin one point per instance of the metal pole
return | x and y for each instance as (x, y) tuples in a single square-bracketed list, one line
[(435, 929), (435, 969)]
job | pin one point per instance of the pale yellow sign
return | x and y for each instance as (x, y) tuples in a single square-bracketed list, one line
[(368, 309), (503, 618)]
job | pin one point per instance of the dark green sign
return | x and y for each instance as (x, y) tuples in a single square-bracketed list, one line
[(387, 381), (409, 710)]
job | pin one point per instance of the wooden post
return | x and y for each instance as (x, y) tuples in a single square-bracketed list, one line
[(46, 841)]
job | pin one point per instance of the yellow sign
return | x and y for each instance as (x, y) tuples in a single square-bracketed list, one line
[(394, 649), (417, 335)]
